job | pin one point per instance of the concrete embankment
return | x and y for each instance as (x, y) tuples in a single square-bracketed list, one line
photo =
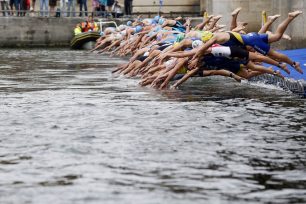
[(37, 31), (251, 13), (57, 32)]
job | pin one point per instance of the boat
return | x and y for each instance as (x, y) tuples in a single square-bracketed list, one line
[(87, 40), (84, 40)]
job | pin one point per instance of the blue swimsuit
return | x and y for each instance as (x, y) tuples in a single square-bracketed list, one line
[(260, 42)]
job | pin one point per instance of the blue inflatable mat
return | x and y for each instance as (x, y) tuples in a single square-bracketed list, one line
[(298, 55)]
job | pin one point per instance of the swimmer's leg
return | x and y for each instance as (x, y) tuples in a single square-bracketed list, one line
[(283, 26), (234, 18), (268, 24), (283, 58)]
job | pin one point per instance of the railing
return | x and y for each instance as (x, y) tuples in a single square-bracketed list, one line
[(102, 22), (105, 14), (170, 14), (56, 13)]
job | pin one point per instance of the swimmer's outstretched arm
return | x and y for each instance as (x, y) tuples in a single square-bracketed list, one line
[(201, 51), (173, 72), (262, 58), (185, 78)]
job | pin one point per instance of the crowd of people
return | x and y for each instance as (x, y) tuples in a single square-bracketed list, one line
[(65, 8), (163, 50)]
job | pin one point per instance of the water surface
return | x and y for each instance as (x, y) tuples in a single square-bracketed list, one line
[(71, 132)]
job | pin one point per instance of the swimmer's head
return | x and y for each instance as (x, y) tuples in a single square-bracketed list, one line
[(129, 23), (197, 43), (102, 33), (138, 29), (180, 37), (206, 36), (161, 21), (159, 36), (156, 18), (121, 27)]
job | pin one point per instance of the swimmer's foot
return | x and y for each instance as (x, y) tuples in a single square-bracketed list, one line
[(273, 18), (284, 67), (286, 37), (238, 28), (297, 67), (216, 18), (236, 11), (294, 14), (277, 73), (236, 77), (221, 26)]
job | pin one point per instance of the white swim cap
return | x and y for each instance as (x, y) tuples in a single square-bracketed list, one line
[(196, 43)]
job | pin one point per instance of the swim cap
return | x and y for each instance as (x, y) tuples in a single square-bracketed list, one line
[(101, 33), (138, 29), (159, 36), (197, 43), (157, 28), (121, 27), (129, 23), (156, 18), (206, 36), (180, 37), (161, 21)]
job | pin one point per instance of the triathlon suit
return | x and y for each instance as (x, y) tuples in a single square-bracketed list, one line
[(179, 27), (235, 40), (232, 52), (260, 42), (210, 62)]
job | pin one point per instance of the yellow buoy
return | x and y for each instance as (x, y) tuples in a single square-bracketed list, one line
[(263, 17)]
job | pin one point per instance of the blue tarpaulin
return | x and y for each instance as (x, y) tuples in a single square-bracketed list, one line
[(298, 55)]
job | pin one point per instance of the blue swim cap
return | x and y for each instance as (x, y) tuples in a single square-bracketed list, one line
[(129, 23), (161, 21), (138, 29), (156, 18), (101, 33), (158, 28)]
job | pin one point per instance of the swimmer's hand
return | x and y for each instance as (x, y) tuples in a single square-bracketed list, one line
[(161, 58), (193, 63), (173, 87)]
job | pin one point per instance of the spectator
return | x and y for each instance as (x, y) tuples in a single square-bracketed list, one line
[(83, 2), (117, 10), (95, 6), (17, 7), (71, 3), (24, 7), (33, 5), (44, 8), (5, 6), (63, 6), (128, 7), (103, 6), (11, 4), (109, 4), (52, 4)]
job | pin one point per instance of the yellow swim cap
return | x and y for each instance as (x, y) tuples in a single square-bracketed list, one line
[(206, 36)]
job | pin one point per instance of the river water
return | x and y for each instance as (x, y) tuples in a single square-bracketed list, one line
[(71, 132)]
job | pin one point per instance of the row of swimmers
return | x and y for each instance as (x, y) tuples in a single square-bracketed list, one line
[(163, 50)]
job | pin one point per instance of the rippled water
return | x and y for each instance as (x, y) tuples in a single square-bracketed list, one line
[(73, 133)]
